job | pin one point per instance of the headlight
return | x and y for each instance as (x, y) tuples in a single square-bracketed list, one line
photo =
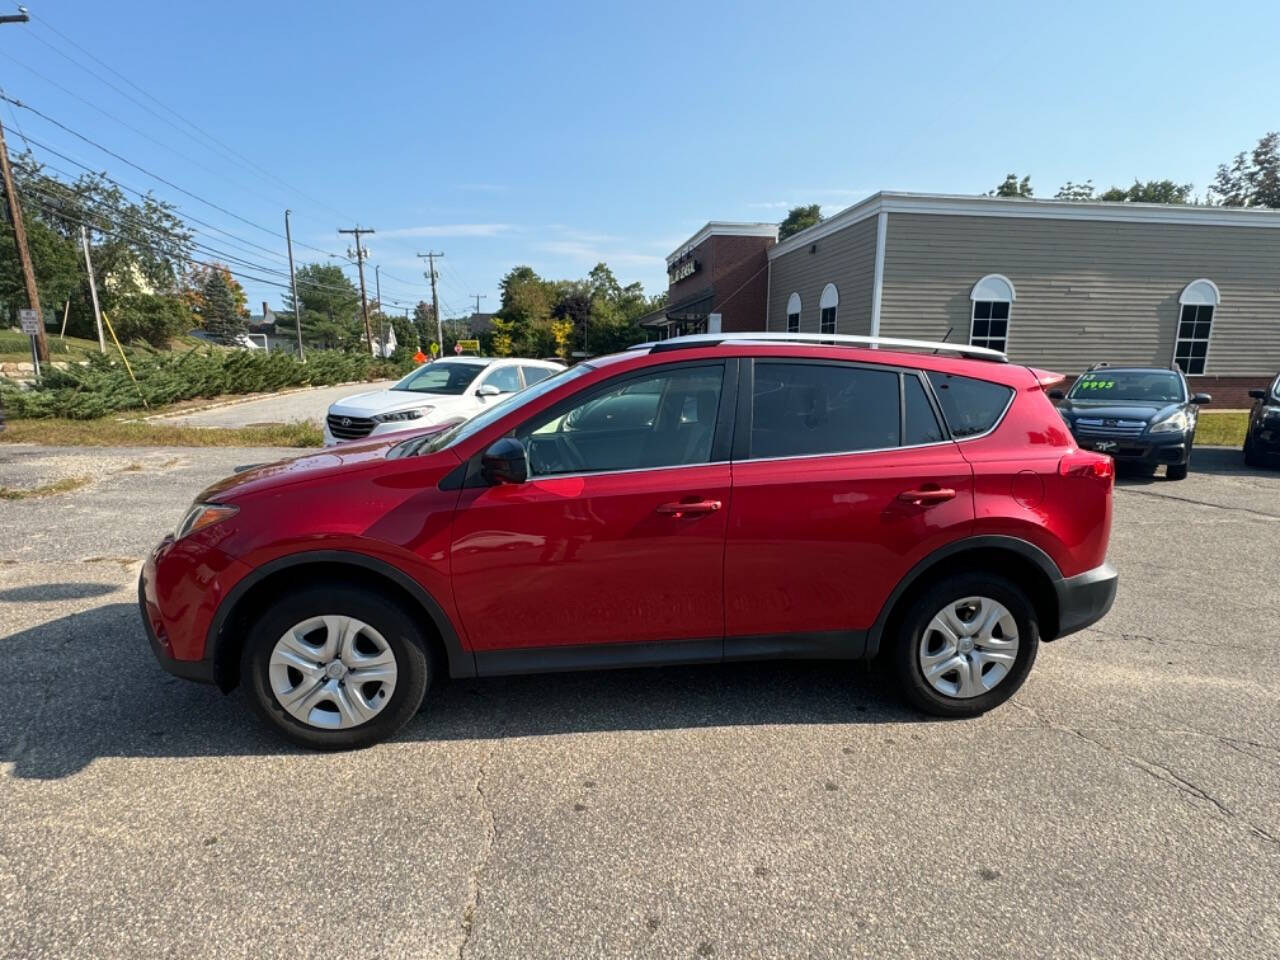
[(203, 515), (1176, 422), (402, 415)]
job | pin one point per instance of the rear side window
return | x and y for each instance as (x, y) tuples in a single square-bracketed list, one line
[(801, 409), (922, 424), (970, 406), (533, 374)]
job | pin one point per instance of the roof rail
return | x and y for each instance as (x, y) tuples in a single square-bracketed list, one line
[(835, 339)]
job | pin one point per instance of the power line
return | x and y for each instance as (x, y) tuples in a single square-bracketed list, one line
[(221, 145), (143, 170)]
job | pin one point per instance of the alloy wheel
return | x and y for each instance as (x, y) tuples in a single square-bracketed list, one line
[(969, 647), (332, 672)]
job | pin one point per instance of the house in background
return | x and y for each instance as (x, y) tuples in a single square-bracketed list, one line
[(272, 332)]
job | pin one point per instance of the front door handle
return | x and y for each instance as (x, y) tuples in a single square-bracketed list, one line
[(925, 497), (689, 508)]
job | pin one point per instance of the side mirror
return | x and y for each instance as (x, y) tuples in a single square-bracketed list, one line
[(505, 462), (1258, 394), (487, 390), (1057, 395), (1200, 399)]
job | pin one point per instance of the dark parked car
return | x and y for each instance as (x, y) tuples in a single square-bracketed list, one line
[(1262, 437), (1144, 416)]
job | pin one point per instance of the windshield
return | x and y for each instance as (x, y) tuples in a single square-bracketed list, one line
[(443, 376), (448, 438), (1143, 386)]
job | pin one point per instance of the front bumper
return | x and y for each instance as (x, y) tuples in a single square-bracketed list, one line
[(1084, 599), (1145, 450), (157, 636)]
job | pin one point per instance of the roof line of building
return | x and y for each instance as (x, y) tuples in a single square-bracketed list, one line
[(1029, 208), (725, 228)]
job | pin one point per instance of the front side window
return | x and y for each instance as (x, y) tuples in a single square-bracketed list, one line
[(793, 313), (971, 406), (1196, 307), (506, 379), (828, 306), (662, 420), (804, 409)]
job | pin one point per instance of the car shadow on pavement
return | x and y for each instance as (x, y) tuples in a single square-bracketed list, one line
[(1214, 461), (94, 691), (46, 592)]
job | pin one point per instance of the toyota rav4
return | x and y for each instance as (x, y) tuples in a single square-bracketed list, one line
[(701, 499)]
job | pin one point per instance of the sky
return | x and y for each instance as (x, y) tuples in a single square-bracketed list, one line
[(558, 135)]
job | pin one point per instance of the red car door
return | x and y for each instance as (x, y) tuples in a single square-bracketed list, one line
[(842, 481), (617, 537)]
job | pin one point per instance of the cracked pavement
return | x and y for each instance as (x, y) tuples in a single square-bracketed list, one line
[(1126, 803)]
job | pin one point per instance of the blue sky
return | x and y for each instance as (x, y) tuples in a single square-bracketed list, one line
[(560, 134)]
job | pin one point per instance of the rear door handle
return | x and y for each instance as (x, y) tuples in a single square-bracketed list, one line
[(923, 497), (689, 508)]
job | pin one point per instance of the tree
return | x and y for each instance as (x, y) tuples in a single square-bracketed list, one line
[(1152, 191), (1253, 179), (330, 306), (1013, 187), (151, 318), (799, 218), (424, 319), (1075, 191), (221, 320), (194, 282), (526, 303)]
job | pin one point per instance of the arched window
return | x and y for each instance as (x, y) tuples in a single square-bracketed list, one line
[(1199, 300), (793, 313), (827, 308), (992, 298)]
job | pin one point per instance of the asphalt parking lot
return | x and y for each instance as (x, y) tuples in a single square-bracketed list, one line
[(1125, 804)]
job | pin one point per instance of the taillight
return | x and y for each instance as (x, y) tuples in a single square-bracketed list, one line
[(1085, 464)]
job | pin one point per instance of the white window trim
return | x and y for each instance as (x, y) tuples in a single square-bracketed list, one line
[(981, 292), (978, 293), (799, 312), (1192, 296), (823, 304)]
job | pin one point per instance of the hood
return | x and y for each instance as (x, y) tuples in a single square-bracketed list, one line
[(388, 401), (1118, 409), (355, 455)]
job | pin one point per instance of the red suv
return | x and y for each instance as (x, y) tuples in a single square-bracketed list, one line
[(696, 500)]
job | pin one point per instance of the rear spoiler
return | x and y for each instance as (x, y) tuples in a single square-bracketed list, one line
[(1047, 379)]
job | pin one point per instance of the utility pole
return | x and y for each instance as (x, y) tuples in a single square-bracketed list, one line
[(364, 300), (20, 233), (435, 301), (377, 284), (293, 284), (478, 297), (93, 288)]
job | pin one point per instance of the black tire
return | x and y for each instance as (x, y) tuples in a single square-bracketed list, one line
[(413, 673), (1251, 458), (905, 658), (1178, 471)]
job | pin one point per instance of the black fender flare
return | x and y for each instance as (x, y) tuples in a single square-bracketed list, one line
[(462, 663), (1023, 548)]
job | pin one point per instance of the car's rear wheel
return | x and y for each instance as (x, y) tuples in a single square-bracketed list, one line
[(967, 645), (335, 668)]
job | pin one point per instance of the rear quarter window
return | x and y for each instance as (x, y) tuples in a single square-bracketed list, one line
[(970, 406)]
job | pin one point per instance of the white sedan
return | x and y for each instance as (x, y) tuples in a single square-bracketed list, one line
[(434, 393)]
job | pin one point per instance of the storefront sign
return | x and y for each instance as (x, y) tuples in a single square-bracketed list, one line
[(682, 270)]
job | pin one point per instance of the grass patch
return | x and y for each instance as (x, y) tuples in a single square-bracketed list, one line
[(117, 433), (1221, 429), (65, 485)]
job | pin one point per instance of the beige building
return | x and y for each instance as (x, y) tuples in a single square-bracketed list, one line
[(1056, 284), (1059, 284)]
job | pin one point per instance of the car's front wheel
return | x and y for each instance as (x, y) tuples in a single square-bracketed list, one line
[(335, 667), (967, 644)]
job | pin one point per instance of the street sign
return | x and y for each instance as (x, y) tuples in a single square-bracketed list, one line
[(472, 345), (30, 320), (434, 349), (457, 348)]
